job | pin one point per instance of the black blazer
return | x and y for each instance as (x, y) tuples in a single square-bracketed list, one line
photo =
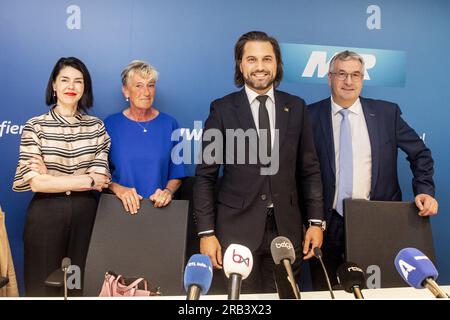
[(387, 132), (239, 215)]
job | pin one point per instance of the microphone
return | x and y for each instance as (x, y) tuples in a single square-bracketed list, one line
[(197, 276), (318, 255), (418, 271), (351, 277), (237, 265), (283, 252), (65, 264)]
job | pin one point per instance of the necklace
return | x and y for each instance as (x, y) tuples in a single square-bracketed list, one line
[(144, 128), (144, 125)]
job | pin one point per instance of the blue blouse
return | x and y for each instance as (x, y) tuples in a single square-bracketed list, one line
[(139, 159)]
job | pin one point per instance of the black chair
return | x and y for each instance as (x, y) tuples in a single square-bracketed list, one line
[(150, 244), (377, 230)]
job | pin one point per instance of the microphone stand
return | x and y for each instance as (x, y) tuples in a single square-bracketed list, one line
[(287, 265), (431, 285), (65, 283), (326, 277), (193, 293), (357, 292), (234, 289)]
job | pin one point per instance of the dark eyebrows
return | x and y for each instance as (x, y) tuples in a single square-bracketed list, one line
[(79, 78)]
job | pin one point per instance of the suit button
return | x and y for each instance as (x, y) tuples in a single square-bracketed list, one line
[(263, 197)]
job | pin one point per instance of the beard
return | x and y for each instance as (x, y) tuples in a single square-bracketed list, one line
[(259, 84)]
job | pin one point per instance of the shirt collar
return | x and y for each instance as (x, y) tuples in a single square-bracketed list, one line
[(65, 120), (355, 108), (251, 95)]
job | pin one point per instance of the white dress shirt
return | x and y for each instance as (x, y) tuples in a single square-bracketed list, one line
[(362, 152), (270, 105)]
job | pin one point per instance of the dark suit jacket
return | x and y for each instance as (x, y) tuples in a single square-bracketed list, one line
[(387, 132), (239, 215)]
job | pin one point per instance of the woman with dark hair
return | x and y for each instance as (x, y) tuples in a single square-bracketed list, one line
[(64, 160)]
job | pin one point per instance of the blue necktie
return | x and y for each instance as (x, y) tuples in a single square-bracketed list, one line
[(345, 163)]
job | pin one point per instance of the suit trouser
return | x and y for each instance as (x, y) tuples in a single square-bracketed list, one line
[(262, 279), (57, 226), (333, 251)]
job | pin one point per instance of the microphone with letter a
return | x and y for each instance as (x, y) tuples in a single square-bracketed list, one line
[(283, 252), (351, 277), (418, 271), (318, 255), (197, 276), (237, 265)]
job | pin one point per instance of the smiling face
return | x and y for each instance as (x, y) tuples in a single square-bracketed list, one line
[(140, 90), (69, 87), (258, 65), (346, 92)]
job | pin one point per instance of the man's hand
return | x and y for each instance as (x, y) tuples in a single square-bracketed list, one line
[(427, 205), (313, 238), (210, 246)]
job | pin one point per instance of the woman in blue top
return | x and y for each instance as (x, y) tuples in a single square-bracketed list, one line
[(141, 145)]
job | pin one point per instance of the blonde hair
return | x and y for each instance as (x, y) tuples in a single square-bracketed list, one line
[(141, 67)]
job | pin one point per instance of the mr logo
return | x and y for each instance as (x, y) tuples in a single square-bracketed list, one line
[(318, 60), (306, 63), (406, 268)]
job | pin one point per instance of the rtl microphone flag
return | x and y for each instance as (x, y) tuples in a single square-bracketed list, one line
[(198, 273)]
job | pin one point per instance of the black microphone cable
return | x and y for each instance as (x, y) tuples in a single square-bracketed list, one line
[(318, 255)]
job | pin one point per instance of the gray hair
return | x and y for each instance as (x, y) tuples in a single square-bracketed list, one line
[(143, 68), (345, 56)]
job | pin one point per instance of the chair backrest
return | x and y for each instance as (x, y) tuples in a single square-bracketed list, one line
[(375, 231), (150, 244)]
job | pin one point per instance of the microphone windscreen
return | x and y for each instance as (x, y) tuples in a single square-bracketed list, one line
[(414, 267), (198, 272), (317, 252), (282, 248), (66, 262), (349, 275), (237, 259)]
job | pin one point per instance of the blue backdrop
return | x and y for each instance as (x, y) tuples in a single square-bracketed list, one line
[(191, 44)]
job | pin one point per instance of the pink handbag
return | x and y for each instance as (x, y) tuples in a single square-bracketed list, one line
[(115, 286)]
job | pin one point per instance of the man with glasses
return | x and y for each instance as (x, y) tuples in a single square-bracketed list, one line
[(357, 141)]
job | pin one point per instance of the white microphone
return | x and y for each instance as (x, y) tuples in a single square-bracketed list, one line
[(237, 265)]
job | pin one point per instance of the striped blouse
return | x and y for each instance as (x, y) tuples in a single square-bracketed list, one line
[(68, 145)]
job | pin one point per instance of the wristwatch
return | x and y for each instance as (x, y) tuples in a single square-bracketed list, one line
[(318, 223)]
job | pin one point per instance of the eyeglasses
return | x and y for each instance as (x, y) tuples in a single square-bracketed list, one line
[(342, 75)]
